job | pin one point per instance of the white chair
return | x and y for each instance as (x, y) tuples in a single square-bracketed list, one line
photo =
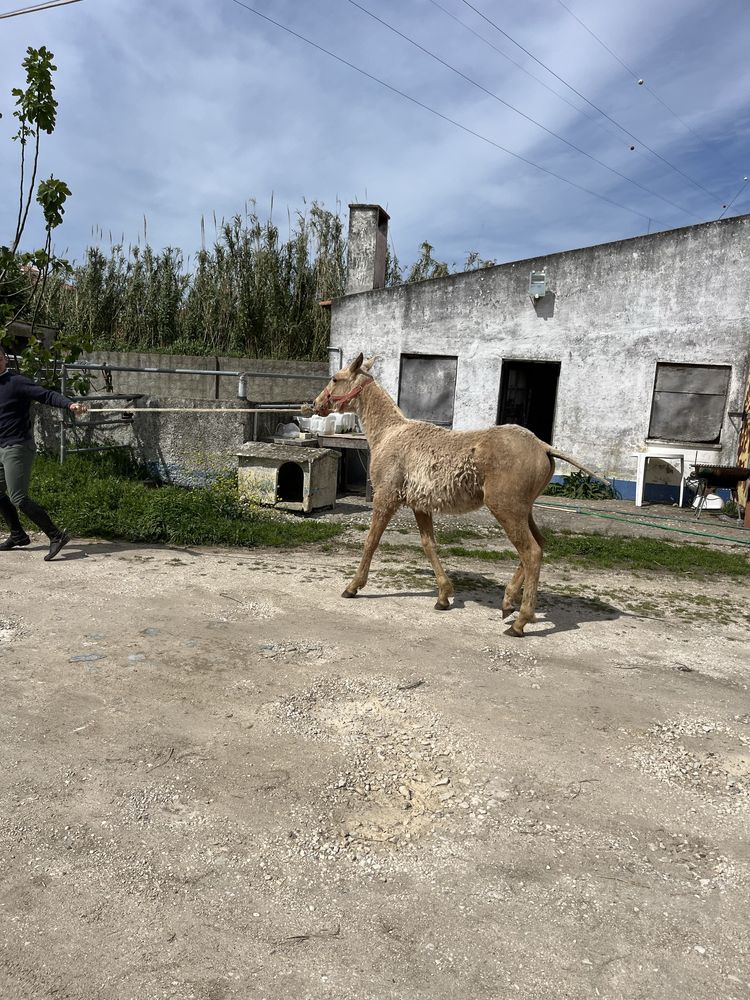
[(664, 454)]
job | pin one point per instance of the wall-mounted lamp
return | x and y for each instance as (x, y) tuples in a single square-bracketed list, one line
[(537, 285)]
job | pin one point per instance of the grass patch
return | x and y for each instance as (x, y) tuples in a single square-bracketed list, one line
[(105, 496), (607, 552)]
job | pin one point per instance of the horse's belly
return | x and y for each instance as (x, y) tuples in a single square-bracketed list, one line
[(452, 497)]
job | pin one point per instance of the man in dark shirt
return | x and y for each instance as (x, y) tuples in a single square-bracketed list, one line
[(17, 452)]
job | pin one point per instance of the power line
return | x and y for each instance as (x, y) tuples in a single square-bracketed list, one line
[(603, 44), (591, 103), (639, 80), (512, 107), (518, 65), (36, 7), (594, 119), (446, 118)]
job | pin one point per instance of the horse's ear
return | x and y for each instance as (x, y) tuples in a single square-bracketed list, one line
[(355, 366), (367, 365)]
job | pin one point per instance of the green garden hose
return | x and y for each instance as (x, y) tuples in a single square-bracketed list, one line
[(648, 524)]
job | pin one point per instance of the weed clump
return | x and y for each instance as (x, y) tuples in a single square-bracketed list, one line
[(581, 486)]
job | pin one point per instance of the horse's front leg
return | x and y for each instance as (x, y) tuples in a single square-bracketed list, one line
[(381, 515), (427, 534)]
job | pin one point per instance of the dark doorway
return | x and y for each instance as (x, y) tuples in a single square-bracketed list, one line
[(290, 482), (528, 393)]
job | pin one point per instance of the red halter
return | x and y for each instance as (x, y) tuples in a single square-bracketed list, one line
[(352, 394)]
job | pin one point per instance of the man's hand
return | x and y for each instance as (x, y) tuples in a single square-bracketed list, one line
[(78, 407)]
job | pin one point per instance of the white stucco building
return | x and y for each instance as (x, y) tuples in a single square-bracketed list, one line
[(604, 351)]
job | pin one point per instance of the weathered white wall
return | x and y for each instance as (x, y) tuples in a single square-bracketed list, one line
[(618, 309)]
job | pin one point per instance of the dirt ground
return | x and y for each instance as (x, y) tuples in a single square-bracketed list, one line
[(220, 780)]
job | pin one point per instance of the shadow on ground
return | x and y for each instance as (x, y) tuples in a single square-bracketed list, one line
[(561, 611)]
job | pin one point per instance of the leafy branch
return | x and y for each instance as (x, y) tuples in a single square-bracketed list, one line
[(24, 275)]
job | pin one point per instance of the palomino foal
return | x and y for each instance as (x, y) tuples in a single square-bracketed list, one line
[(431, 469)]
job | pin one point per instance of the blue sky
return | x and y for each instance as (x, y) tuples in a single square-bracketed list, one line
[(181, 108)]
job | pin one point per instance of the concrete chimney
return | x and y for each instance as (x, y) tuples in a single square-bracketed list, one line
[(368, 242)]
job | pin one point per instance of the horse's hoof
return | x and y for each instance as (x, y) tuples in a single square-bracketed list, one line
[(513, 633), (507, 612), (349, 593), (439, 606)]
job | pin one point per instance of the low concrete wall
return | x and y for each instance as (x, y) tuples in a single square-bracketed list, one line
[(183, 448), (180, 448), (274, 387)]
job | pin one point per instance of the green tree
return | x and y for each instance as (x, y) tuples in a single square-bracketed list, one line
[(24, 274)]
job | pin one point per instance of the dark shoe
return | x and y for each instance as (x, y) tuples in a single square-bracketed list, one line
[(55, 544), (14, 542)]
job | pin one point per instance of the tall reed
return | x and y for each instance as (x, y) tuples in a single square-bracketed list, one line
[(252, 292)]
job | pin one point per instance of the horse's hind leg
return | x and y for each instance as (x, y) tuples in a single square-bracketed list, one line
[(427, 535), (534, 527), (539, 539), (512, 593), (380, 518), (525, 536)]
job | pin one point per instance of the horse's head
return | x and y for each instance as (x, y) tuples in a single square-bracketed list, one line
[(344, 387)]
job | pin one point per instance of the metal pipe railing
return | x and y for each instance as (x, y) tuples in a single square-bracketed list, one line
[(242, 377), (63, 388)]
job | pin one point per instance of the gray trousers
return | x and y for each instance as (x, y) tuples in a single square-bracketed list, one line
[(16, 461)]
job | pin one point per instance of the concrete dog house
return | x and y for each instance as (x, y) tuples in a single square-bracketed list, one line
[(288, 477)]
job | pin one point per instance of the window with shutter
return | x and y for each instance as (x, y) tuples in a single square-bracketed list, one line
[(689, 402), (427, 387)]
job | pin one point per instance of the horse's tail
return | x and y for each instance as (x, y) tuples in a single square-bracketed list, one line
[(554, 453)]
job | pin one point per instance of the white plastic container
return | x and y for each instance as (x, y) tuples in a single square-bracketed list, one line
[(323, 425), (344, 422), (711, 502)]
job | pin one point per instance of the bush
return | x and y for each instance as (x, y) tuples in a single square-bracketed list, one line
[(581, 486), (105, 496)]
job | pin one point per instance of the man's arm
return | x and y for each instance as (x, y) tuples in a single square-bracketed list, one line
[(30, 390)]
